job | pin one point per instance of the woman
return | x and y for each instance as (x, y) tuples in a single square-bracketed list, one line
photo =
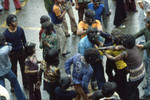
[(135, 67)]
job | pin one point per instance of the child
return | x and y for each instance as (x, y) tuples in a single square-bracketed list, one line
[(107, 92), (51, 72), (31, 70), (63, 90), (43, 19)]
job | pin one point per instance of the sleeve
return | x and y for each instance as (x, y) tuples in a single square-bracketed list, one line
[(85, 80), (140, 33), (68, 64), (99, 25), (23, 37), (100, 38), (80, 25), (81, 48), (57, 11), (147, 45), (41, 42)]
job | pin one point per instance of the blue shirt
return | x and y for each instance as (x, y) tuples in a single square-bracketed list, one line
[(5, 64), (84, 44), (98, 11), (17, 38), (81, 73)]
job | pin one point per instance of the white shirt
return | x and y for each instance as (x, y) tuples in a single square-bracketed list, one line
[(4, 92)]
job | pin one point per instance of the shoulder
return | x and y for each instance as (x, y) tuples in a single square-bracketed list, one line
[(90, 4), (56, 8)]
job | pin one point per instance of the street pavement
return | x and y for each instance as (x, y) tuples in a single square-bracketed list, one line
[(29, 19)]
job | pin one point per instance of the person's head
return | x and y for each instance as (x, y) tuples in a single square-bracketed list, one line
[(92, 55), (92, 34), (109, 88), (44, 18), (116, 35), (128, 41), (89, 16), (65, 82), (52, 57), (97, 95), (97, 3), (30, 48), (48, 27), (2, 40), (147, 24), (11, 20)]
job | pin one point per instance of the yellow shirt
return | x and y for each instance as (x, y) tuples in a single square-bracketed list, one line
[(84, 26), (120, 64)]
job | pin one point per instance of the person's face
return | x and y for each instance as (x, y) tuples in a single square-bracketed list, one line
[(89, 20), (96, 4), (14, 22)]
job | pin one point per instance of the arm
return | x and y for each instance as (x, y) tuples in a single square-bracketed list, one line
[(23, 37), (77, 6), (80, 30), (140, 33), (68, 64), (112, 48), (28, 71), (99, 26), (104, 18), (117, 58), (81, 48), (85, 80)]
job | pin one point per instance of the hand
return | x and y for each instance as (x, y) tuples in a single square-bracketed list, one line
[(77, 7), (73, 4), (37, 85), (141, 5), (67, 8)]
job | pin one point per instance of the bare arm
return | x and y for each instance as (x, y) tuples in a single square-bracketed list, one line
[(112, 48)]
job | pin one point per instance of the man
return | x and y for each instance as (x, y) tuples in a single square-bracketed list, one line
[(69, 3), (146, 32), (5, 69), (81, 6), (16, 36), (145, 4), (57, 17), (89, 41), (89, 21), (82, 71)]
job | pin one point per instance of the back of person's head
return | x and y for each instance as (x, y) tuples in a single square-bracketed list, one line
[(92, 55), (52, 57), (11, 18), (109, 88), (44, 18), (2, 40), (65, 82), (48, 27), (4, 95), (29, 48), (128, 41), (97, 95), (93, 35), (116, 35), (89, 13)]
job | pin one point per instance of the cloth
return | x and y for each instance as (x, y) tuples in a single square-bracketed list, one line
[(15, 84), (16, 3), (40, 34), (98, 11), (1, 7), (84, 26), (5, 64), (146, 34), (134, 64), (51, 73), (61, 38), (71, 16), (52, 40), (48, 5), (65, 94), (82, 72), (83, 1), (17, 38), (56, 12)]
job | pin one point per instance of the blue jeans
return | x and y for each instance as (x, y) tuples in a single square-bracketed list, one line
[(13, 80), (147, 66), (98, 71)]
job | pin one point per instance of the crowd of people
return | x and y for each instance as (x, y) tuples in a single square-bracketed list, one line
[(86, 80)]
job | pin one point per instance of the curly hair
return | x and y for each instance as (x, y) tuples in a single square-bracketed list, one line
[(91, 55), (128, 41), (10, 18)]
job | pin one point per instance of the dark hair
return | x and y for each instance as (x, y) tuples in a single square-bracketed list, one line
[(51, 57), (29, 46), (48, 26), (98, 1), (10, 18), (89, 13), (91, 55), (2, 40), (44, 18), (97, 95), (116, 36), (128, 41), (109, 88), (65, 82)]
